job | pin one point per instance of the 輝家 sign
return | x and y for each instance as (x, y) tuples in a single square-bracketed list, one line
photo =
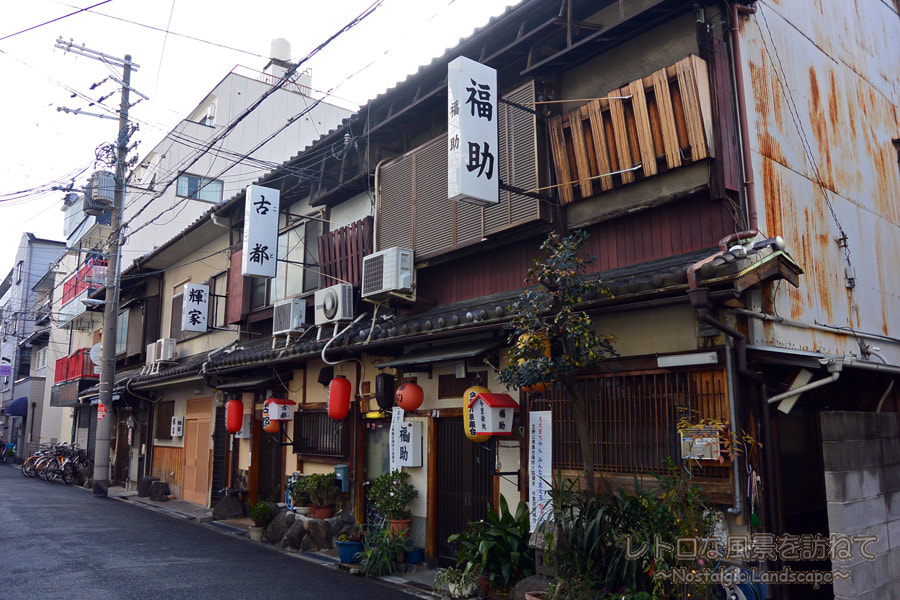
[(194, 307), (472, 139), (260, 231)]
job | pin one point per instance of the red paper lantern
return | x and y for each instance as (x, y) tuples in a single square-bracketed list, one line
[(410, 396), (339, 398), (269, 425), (234, 416)]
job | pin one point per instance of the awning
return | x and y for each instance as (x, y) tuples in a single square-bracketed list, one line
[(443, 353), (18, 407)]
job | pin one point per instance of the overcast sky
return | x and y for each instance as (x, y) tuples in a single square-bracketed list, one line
[(42, 147)]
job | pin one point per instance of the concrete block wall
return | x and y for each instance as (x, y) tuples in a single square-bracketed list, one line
[(862, 486)]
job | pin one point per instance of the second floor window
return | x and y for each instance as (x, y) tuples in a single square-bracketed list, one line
[(199, 188), (122, 332)]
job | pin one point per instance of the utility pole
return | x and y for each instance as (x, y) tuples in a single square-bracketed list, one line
[(111, 305)]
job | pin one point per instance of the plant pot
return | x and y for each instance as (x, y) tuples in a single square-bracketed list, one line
[(302, 510), (535, 595), (321, 511), (256, 533), (399, 526), (460, 590), (415, 555), (348, 551)]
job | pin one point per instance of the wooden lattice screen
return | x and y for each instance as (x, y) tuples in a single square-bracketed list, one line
[(341, 252), (634, 418), (659, 122)]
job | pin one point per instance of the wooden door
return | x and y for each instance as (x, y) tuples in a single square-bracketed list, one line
[(197, 429), (465, 483)]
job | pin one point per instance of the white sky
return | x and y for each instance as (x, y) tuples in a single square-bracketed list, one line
[(41, 146)]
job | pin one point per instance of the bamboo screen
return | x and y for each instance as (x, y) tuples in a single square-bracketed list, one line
[(634, 418)]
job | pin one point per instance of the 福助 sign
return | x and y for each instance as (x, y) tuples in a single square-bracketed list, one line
[(472, 136)]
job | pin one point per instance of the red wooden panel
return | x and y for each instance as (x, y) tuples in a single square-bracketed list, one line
[(238, 297)]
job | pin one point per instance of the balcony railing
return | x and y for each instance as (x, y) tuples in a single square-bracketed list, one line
[(42, 314), (90, 276), (77, 365)]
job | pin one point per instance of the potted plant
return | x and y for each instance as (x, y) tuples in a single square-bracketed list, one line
[(261, 515), (391, 494), (381, 552), (323, 490), (459, 583), (350, 548), (300, 497)]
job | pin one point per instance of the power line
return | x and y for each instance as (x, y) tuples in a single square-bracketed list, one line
[(33, 27)]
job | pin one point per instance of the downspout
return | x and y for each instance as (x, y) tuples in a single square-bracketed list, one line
[(738, 507), (744, 128), (375, 239)]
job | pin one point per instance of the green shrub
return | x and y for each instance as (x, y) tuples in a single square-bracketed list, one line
[(322, 488), (391, 494), (498, 546), (261, 514), (381, 549)]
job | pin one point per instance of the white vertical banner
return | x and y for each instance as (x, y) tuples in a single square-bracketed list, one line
[(472, 139), (540, 465), (194, 307), (260, 231), (396, 425)]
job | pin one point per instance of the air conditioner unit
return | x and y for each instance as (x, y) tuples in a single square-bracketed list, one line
[(289, 316), (99, 194), (151, 353), (165, 349), (334, 303), (390, 271)]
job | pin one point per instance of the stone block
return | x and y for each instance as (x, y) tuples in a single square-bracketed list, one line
[(159, 491), (881, 572), (872, 482), (894, 564), (890, 451), (833, 426), (279, 526), (893, 528), (879, 547), (833, 456), (854, 517), (876, 511), (320, 533), (891, 479), (892, 502), (295, 534), (229, 507), (888, 424)]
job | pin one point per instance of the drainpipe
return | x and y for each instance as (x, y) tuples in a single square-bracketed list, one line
[(738, 507), (744, 127), (833, 367)]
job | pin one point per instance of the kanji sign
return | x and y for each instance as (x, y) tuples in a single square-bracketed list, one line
[(540, 465), (194, 307), (493, 413), (405, 441), (472, 136), (260, 231)]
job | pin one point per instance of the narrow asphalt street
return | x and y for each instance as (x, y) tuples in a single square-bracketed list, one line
[(60, 542)]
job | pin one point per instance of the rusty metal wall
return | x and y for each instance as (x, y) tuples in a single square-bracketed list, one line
[(823, 96)]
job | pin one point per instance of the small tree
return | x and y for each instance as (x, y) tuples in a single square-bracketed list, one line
[(548, 313)]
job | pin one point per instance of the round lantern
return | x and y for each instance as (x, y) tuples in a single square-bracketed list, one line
[(410, 396), (234, 416), (468, 425), (339, 398), (545, 350), (269, 425)]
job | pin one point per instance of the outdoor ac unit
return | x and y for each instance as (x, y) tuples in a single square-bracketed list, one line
[(388, 271), (151, 353), (334, 303), (99, 194), (289, 316), (165, 349)]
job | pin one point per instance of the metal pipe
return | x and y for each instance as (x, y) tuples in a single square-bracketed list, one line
[(801, 325), (738, 507), (835, 375)]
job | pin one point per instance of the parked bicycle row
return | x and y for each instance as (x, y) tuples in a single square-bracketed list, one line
[(62, 461)]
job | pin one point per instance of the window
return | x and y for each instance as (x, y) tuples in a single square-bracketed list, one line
[(259, 292), (164, 413), (40, 359), (298, 261), (19, 267), (218, 291), (199, 188), (635, 417), (316, 434), (122, 332)]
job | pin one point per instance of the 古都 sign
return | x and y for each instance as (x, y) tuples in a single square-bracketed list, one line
[(260, 250)]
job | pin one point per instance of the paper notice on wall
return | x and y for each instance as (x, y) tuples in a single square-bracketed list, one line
[(540, 466)]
